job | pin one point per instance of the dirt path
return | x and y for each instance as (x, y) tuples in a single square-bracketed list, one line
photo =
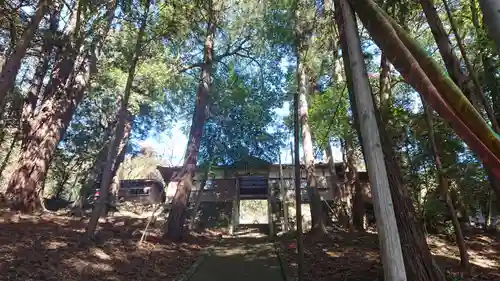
[(242, 259)]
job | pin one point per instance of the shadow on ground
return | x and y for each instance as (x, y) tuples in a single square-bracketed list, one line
[(355, 257), (242, 259), (46, 248)]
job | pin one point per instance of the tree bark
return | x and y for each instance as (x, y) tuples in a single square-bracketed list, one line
[(391, 253), (353, 190), (491, 81), (418, 260), (114, 145), (489, 212), (12, 65), (94, 174), (33, 96), (451, 61), (176, 219), (473, 84), (50, 124), (443, 185), (384, 87), (122, 150), (318, 223), (427, 77), (491, 16), (337, 189), (347, 204), (317, 213)]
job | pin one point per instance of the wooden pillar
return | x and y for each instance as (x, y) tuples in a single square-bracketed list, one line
[(200, 185), (270, 209), (236, 204), (283, 191), (235, 214)]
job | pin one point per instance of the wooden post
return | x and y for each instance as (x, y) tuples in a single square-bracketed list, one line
[(283, 192), (235, 214), (270, 209), (236, 205), (390, 246), (200, 187)]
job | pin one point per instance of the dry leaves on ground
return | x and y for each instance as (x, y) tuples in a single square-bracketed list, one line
[(46, 248), (355, 256)]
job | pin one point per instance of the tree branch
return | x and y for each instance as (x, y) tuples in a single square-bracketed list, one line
[(228, 53), (189, 67)]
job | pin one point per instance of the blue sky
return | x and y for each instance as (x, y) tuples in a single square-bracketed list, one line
[(171, 146)]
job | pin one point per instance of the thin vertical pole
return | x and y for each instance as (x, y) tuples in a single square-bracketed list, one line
[(298, 193), (283, 191), (270, 215)]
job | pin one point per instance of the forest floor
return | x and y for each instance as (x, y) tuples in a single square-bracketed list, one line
[(46, 247), (355, 256)]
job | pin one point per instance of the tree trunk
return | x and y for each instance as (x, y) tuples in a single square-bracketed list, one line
[(347, 208), (443, 185), (47, 128), (418, 260), (385, 88), (299, 237), (60, 185), (122, 150), (473, 84), (494, 88), (301, 37), (489, 212), (331, 167), (451, 61), (35, 89), (12, 65), (94, 174), (336, 188), (353, 190), (343, 44), (121, 127), (491, 17), (175, 223), (392, 257), (318, 223), (438, 90)]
